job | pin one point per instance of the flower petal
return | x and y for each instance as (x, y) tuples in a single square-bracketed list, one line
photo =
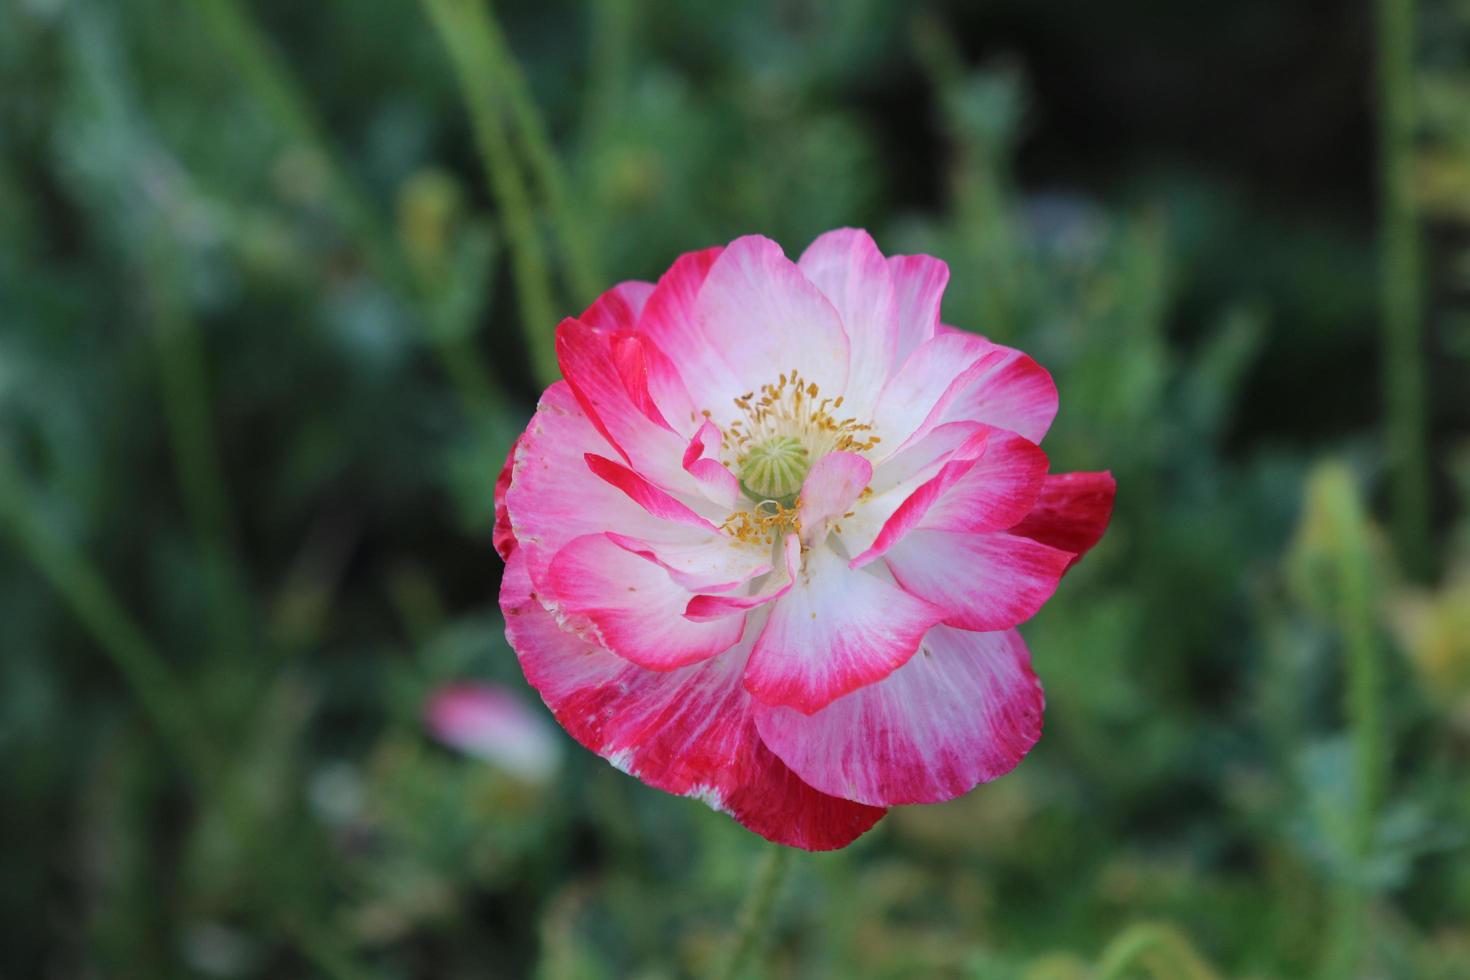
[(987, 484), (1007, 389), (1072, 512), (920, 385), (618, 309), (955, 376), (918, 288), (655, 501), (649, 444), (701, 562), (504, 537), (703, 608), (687, 731), (549, 501), (836, 631), (997, 491), (830, 489), (923, 457), (702, 461), (982, 581), (962, 712), (850, 271), (896, 479), (630, 606), (653, 383), (670, 323), (762, 317)]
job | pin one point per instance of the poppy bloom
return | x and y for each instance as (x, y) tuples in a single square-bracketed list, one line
[(768, 543)]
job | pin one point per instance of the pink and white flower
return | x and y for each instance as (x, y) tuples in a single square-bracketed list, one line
[(768, 543)]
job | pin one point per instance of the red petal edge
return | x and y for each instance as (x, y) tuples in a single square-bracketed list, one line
[(689, 732), (504, 537), (1071, 513)]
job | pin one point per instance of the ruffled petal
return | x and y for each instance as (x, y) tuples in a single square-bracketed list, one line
[(988, 483), (630, 606), (702, 461), (1071, 512), (921, 384), (653, 383), (552, 499), (923, 457), (1006, 389), (669, 321), (618, 309), (982, 581), (898, 477), (761, 316), (703, 608), (830, 489), (687, 731), (836, 631), (504, 536), (997, 491), (701, 562), (962, 712), (646, 441), (955, 376), (653, 500), (918, 288), (850, 271)]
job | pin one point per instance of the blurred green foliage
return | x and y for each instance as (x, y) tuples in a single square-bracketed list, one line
[(276, 287)]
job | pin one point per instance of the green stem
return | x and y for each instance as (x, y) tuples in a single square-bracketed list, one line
[(182, 375), (755, 914), (1400, 286), (607, 68), (450, 329), (613, 23), (1163, 948), (542, 161), (1363, 703), (1364, 695), (468, 35)]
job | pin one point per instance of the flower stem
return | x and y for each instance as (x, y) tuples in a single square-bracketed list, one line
[(183, 378), (541, 160), (1162, 948), (469, 36), (1400, 286), (755, 913), (1363, 702)]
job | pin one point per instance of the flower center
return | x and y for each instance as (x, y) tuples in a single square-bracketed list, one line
[(768, 522), (775, 469), (785, 428)]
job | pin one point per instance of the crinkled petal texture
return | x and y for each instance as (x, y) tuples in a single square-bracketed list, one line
[(689, 731), (769, 542)]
